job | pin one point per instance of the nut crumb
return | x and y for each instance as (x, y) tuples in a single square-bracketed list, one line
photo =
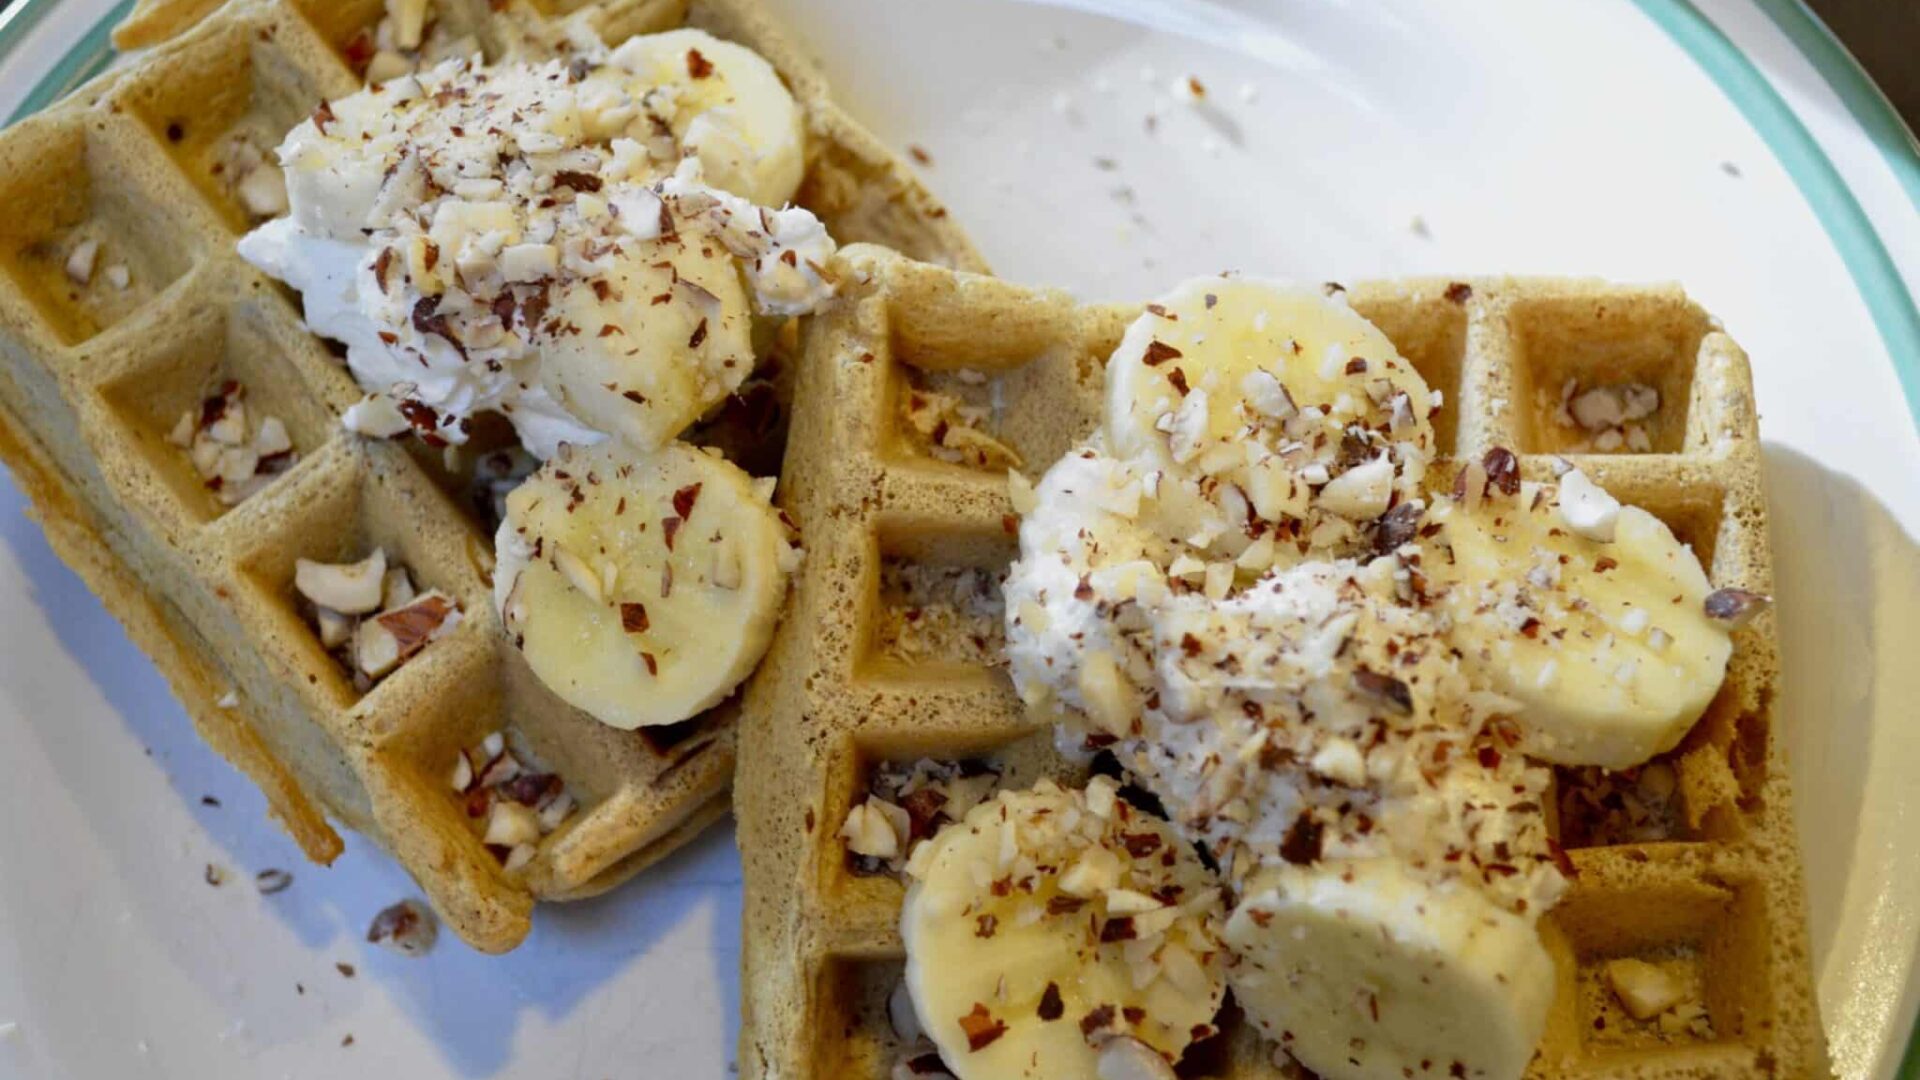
[(1642, 989), (949, 612), (407, 928)]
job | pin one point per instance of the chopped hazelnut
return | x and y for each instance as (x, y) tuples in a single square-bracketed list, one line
[(870, 831), (348, 588), (462, 778), (1735, 608), (1644, 990), (80, 261), (335, 629), (1587, 508), (407, 928), (512, 824)]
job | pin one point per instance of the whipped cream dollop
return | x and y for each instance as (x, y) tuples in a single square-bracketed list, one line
[(1304, 705), (542, 239)]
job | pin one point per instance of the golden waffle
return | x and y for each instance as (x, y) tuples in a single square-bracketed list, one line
[(1709, 890), (97, 375)]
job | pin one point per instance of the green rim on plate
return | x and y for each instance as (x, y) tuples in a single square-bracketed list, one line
[(1874, 274), (1826, 193), (88, 57)]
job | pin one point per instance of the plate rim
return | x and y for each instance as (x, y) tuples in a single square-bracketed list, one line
[(1826, 192)]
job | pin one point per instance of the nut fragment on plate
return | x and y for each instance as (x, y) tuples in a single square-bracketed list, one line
[(407, 928), (509, 798), (1608, 418), (272, 881), (236, 451), (369, 615), (907, 802)]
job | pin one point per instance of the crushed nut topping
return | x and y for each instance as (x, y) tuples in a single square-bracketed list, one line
[(492, 230), (509, 798), (951, 430), (1631, 806), (1607, 419), (81, 260), (240, 165), (907, 802), (1209, 676), (1313, 714), (934, 611), (235, 451), (1660, 999), (369, 615)]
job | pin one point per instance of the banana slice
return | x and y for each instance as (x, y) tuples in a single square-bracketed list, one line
[(641, 591), (726, 106), (663, 337), (1049, 923), (1364, 971), (1259, 352), (1606, 644), (1275, 412)]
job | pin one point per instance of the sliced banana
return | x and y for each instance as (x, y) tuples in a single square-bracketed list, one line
[(1260, 351), (1275, 412), (642, 591), (1364, 971), (1047, 923), (726, 106), (648, 349), (1605, 644)]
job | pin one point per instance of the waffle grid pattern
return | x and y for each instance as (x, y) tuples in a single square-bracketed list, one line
[(97, 375), (1716, 897)]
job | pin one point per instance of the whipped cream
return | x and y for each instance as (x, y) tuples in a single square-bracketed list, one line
[(414, 368), (532, 239), (1310, 700)]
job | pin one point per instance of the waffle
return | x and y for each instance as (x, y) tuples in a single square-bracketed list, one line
[(97, 375), (1706, 885)]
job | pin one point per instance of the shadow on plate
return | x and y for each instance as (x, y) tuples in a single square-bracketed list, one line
[(1846, 578)]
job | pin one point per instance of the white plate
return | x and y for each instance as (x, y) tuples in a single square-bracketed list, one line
[(1731, 147)]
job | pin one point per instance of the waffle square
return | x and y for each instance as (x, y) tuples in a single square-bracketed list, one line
[(99, 371), (1706, 883)]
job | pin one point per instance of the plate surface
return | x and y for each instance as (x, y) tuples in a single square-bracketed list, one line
[(1726, 146)]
